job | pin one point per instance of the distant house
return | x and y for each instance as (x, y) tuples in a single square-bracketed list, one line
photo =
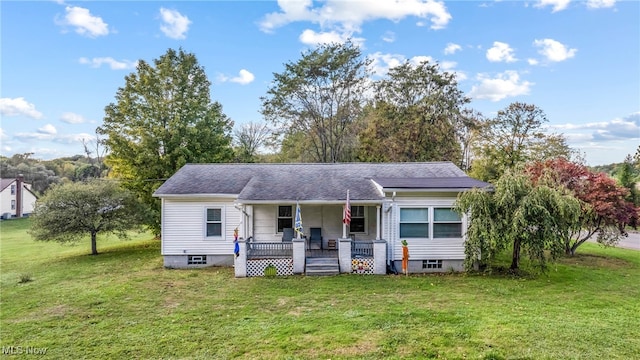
[(16, 198), (203, 204)]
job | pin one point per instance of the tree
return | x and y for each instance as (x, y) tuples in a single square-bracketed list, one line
[(71, 211), (249, 139), (514, 137), (319, 98), (415, 114), (627, 175), (605, 212), (516, 215), (162, 119)]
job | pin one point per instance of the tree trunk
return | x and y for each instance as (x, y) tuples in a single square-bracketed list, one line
[(94, 248), (516, 254)]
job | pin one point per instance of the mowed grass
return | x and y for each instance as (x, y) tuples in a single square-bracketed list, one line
[(124, 304)]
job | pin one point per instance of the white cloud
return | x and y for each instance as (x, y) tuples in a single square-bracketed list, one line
[(244, 78), (111, 62), (310, 37), (85, 24), (627, 128), (18, 106), (506, 84), (3, 136), (42, 135), (557, 5), (72, 118), (500, 52), (554, 50), (175, 24), (532, 62), (389, 37), (381, 63), (452, 48), (417, 60), (599, 4), (347, 17), (48, 130)]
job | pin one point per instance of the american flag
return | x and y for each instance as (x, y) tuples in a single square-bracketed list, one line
[(346, 216)]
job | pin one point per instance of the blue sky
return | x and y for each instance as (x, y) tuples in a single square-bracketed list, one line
[(62, 61)]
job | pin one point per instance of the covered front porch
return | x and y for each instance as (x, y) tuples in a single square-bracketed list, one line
[(283, 258)]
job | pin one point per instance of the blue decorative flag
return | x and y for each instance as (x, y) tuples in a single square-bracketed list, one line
[(236, 248), (298, 224)]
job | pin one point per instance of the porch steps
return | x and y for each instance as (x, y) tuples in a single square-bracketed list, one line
[(317, 266)]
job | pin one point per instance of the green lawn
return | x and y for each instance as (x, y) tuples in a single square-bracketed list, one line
[(124, 304)]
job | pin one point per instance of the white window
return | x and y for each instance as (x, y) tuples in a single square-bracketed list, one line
[(446, 223), (432, 264), (414, 223), (214, 222), (197, 260), (13, 204), (285, 217), (430, 223), (358, 223), (13, 189)]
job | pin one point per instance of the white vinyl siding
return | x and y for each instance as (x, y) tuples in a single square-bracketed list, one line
[(184, 227)]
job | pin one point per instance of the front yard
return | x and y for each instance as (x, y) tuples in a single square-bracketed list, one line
[(124, 304)]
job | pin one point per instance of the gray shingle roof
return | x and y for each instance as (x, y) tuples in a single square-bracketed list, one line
[(304, 182), (459, 182)]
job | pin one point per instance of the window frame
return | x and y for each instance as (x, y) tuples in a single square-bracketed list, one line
[(13, 204), (432, 264), (364, 218), (278, 217), (13, 189), (427, 222), (431, 208), (435, 222), (207, 222)]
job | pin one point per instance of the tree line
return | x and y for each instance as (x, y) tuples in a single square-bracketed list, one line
[(327, 106)]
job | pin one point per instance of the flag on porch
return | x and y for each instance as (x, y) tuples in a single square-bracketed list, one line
[(298, 224), (346, 217)]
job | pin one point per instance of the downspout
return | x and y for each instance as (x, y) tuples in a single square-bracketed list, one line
[(390, 247)]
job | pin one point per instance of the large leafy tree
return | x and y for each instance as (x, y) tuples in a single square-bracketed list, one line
[(162, 119), (605, 210), (514, 137), (317, 101), (72, 211), (415, 116), (516, 216)]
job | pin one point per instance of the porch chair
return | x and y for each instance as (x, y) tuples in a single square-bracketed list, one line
[(315, 237), (287, 234)]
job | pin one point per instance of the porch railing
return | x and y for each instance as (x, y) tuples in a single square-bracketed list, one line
[(259, 250), (362, 248)]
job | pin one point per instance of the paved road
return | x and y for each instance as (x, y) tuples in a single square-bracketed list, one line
[(631, 242)]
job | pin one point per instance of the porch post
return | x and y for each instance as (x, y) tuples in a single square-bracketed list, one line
[(299, 255), (240, 261), (379, 257), (378, 222), (344, 255)]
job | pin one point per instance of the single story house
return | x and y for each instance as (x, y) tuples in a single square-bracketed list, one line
[(205, 207), (16, 198)]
